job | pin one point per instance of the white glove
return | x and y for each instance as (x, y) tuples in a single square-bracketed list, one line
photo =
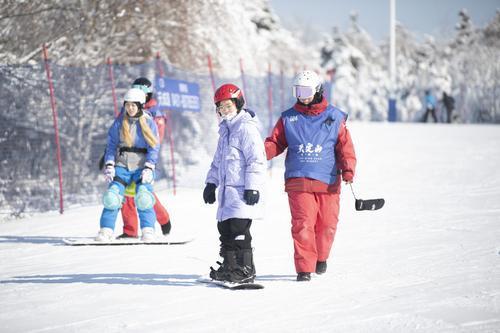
[(109, 172), (147, 176)]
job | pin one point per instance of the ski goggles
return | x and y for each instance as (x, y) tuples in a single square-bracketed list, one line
[(145, 89), (222, 108), (303, 92)]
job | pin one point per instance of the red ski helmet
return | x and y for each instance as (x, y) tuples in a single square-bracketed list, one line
[(229, 91)]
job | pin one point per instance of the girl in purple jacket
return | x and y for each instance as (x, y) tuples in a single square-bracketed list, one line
[(238, 171)]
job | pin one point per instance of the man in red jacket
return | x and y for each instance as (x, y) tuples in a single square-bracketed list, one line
[(320, 152)]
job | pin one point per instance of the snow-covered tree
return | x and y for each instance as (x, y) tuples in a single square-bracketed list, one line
[(359, 82), (464, 28), (475, 70), (464, 67)]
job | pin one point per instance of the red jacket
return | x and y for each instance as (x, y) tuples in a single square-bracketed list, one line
[(344, 153), (159, 118)]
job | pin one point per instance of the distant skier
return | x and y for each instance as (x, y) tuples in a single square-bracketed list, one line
[(449, 104), (430, 106), (320, 150), (131, 155), (238, 170), (129, 211)]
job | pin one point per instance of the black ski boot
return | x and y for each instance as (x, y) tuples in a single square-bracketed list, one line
[(320, 267), (243, 270), (245, 259), (124, 236), (165, 229), (303, 276), (219, 273)]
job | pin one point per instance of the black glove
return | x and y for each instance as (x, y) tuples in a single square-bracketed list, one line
[(251, 197), (209, 193)]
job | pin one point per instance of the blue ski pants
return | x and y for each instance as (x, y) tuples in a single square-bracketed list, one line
[(147, 217)]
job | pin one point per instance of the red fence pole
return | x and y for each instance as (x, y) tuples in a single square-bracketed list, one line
[(210, 69), (56, 128), (168, 118), (113, 92), (270, 106), (172, 145), (159, 67)]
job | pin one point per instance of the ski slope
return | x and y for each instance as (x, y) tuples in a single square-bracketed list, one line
[(429, 261)]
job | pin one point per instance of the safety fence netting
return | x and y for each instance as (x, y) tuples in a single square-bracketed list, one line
[(84, 110)]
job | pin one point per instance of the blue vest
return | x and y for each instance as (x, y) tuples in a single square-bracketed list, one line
[(311, 143)]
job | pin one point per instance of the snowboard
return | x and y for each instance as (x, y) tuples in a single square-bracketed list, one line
[(231, 285), (89, 241)]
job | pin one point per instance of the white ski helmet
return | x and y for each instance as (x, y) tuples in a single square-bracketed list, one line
[(306, 84), (135, 95)]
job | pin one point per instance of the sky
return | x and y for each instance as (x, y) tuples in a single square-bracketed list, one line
[(431, 17)]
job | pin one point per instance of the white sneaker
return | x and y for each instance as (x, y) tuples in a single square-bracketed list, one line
[(105, 235), (148, 234)]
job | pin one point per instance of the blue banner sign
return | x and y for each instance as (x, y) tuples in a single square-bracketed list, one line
[(177, 95)]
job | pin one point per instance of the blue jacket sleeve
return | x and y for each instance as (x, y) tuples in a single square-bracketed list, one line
[(113, 140)]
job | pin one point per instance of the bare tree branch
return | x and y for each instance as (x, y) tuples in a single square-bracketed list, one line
[(37, 12)]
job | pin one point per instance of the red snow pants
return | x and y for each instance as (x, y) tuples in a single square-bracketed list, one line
[(314, 223), (130, 219)]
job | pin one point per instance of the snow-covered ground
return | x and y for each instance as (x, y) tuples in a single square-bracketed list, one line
[(429, 261)]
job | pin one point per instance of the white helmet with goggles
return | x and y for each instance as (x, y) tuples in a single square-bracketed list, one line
[(306, 84), (135, 95)]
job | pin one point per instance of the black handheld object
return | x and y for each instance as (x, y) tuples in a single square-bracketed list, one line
[(370, 204)]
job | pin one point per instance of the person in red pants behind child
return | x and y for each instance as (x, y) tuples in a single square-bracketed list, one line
[(129, 210), (320, 150)]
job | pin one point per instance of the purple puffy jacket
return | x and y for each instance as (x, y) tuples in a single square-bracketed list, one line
[(239, 164)]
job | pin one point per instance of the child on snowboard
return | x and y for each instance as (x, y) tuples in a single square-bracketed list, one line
[(131, 154), (129, 211), (238, 170)]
